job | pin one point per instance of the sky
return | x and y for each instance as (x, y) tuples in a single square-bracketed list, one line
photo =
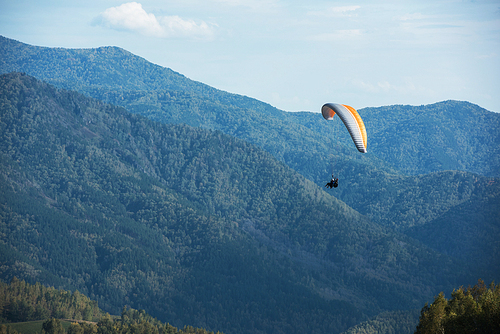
[(294, 55)]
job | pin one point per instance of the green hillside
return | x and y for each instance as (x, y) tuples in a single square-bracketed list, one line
[(449, 135), (22, 302), (472, 310), (414, 140), (194, 226), (187, 211), (33, 308)]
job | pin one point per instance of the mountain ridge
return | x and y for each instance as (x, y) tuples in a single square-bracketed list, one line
[(130, 71), (147, 208), (385, 186)]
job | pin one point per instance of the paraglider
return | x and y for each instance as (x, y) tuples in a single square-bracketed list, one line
[(351, 120), (354, 124), (334, 183)]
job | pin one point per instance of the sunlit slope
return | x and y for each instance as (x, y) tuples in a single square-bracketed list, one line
[(194, 226)]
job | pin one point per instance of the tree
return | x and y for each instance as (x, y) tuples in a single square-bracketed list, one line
[(52, 326), (432, 316), (75, 328), (106, 325), (472, 310), (7, 330)]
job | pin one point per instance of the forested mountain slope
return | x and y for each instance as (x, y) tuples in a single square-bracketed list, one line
[(450, 135), (431, 171), (445, 136), (109, 68), (21, 302), (194, 226)]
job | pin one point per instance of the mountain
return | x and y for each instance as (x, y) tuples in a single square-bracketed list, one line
[(192, 225), (449, 135), (388, 184), (402, 139), (22, 305), (430, 178), (110, 68)]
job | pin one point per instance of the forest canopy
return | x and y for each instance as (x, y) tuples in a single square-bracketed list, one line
[(204, 217), (24, 302), (471, 310)]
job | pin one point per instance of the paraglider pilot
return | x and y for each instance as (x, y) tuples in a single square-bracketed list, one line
[(334, 183)]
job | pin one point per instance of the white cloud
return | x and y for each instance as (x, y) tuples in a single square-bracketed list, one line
[(131, 16)]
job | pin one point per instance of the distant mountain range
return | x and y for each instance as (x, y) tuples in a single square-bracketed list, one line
[(449, 135), (199, 225)]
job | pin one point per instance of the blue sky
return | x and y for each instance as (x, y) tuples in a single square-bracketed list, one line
[(295, 55)]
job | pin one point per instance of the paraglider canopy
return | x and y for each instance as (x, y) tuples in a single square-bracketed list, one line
[(351, 120)]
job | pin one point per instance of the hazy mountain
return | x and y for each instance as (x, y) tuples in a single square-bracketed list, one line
[(194, 226), (109, 68), (450, 135)]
